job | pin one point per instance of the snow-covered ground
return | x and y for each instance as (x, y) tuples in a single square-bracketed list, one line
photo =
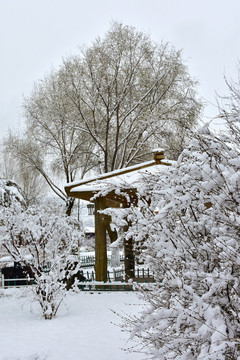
[(83, 329)]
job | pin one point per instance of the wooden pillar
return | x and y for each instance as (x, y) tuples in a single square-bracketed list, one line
[(129, 259), (100, 241)]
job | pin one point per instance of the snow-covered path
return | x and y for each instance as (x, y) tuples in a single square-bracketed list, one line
[(83, 328)]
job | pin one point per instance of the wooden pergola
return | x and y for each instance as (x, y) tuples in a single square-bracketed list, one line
[(86, 189)]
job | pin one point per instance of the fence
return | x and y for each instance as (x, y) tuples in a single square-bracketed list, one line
[(86, 261), (115, 280), (89, 260), (16, 282)]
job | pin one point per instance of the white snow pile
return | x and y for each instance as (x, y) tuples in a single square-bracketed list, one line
[(85, 328)]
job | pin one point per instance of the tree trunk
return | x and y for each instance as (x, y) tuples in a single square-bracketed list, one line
[(69, 206)]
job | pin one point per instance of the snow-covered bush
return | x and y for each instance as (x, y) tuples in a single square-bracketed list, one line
[(43, 242), (10, 193), (188, 216)]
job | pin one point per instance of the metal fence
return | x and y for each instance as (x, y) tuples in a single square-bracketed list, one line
[(115, 280), (89, 260), (6, 283)]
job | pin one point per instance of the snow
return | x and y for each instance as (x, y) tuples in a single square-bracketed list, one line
[(129, 179), (158, 150), (85, 328), (89, 229), (109, 174), (129, 175), (10, 191), (6, 259)]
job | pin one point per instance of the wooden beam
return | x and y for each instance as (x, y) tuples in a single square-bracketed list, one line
[(100, 241), (112, 199), (111, 174)]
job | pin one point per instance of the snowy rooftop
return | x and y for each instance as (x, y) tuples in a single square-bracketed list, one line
[(127, 178)]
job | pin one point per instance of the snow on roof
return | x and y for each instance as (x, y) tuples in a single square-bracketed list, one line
[(109, 174), (128, 179), (110, 185)]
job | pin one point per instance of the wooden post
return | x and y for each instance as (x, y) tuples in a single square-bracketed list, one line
[(129, 260), (100, 241)]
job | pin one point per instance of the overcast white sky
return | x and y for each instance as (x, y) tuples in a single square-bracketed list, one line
[(36, 34)]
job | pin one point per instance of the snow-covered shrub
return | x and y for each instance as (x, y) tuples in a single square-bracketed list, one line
[(188, 216), (10, 193), (43, 242)]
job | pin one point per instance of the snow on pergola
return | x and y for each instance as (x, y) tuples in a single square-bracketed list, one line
[(105, 185)]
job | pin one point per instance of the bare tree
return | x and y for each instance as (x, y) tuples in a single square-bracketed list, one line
[(129, 93), (106, 108), (56, 150)]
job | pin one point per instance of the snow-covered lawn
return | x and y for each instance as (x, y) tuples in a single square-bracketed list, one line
[(83, 328)]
